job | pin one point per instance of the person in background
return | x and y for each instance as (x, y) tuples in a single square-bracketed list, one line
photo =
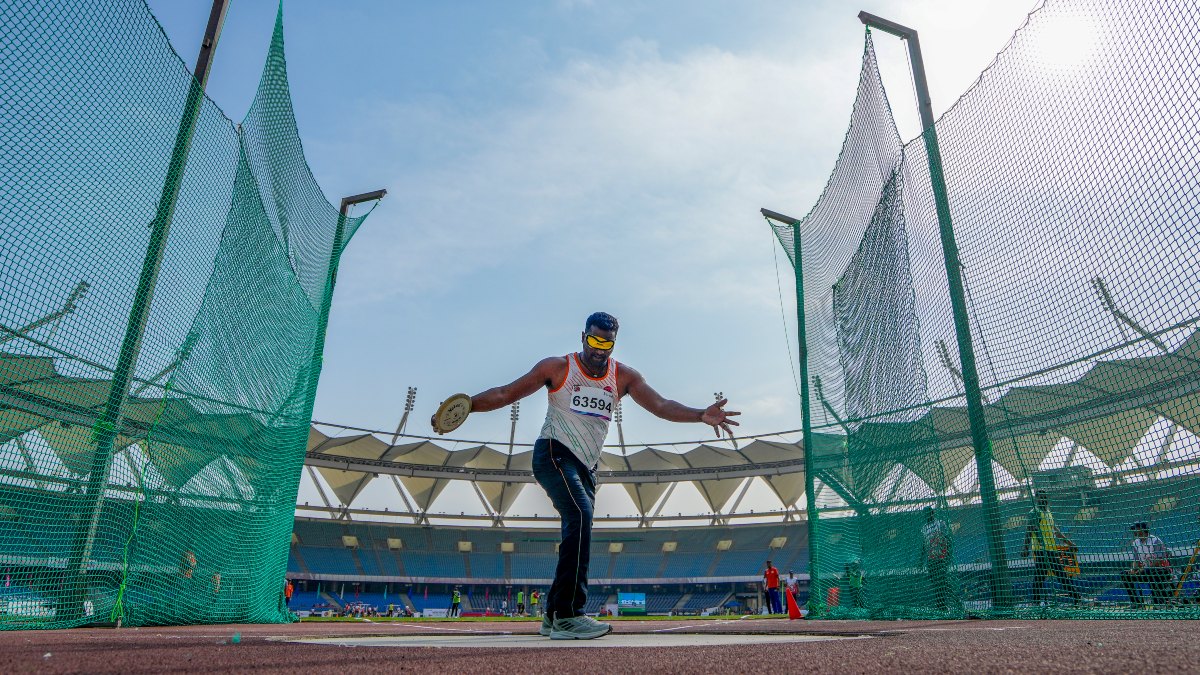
[(771, 581), (1047, 542), (854, 583), (936, 554), (792, 585), (534, 598), (288, 590), (455, 604), (1151, 564)]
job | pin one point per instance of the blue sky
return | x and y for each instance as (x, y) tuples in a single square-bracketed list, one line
[(549, 159)]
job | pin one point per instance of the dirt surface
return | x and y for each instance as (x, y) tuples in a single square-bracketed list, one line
[(905, 647)]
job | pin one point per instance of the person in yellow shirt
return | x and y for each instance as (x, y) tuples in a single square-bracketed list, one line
[(1047, 542)]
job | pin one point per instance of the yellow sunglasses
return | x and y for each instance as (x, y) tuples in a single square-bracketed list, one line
[(597, 342)]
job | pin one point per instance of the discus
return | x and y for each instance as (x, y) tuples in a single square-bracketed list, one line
[(452, 413)]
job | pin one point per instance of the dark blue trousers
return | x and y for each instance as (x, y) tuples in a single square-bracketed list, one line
[(571, 487)]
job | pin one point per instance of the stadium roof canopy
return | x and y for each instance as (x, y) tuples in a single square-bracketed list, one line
[(1108, 410)]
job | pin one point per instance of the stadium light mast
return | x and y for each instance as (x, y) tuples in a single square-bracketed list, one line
[(68, 307), (109, 420), (1001, 588)]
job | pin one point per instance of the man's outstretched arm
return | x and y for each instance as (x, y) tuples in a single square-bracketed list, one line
[(547, 372), (644, 395)]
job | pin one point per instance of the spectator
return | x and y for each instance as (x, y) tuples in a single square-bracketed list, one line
[(1048, 543), (854, 583), (936, 554), (1151, 564), (455, 604), (771, 580), (793, 586)]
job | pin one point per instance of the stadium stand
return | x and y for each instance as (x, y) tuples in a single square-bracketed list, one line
[(702, 601), (661, 603)]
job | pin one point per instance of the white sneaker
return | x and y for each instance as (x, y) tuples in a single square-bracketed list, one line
[(594, 622), (547, 626), (579, 628)]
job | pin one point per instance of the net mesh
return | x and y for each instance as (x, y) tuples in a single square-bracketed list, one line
[(1072, 173), (149, 466)]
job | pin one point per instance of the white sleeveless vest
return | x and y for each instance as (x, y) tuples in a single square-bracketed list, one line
[(580, 410)]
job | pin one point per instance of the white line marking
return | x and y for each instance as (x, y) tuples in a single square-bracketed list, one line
[(694, 625)]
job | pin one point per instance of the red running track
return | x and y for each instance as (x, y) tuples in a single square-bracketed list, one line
[(896, 647)]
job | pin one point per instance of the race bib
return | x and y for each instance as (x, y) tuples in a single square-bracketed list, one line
[(592, 401)]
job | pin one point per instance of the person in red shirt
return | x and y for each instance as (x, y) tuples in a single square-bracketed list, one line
[(288, 589), (771, 578)]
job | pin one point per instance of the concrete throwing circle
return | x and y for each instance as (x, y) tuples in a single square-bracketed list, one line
[(525, 641)]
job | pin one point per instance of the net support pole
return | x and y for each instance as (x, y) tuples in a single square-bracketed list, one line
[(1000, 587), (335, 255), (816, 598), (104, 432)]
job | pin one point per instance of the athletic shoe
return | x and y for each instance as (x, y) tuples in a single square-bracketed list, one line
[(578, 628), (547, 626), (601, 624)]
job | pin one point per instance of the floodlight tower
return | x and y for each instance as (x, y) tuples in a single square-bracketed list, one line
[(68, 307), (1001, 589), (514, 415), (410, 402)]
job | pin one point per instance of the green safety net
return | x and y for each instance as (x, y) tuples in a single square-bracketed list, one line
[(1072, 177), (149, 468)]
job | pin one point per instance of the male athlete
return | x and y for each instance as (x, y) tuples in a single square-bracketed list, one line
[(583, 387)]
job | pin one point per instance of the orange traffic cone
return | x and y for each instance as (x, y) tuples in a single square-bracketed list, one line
[(793, 608)]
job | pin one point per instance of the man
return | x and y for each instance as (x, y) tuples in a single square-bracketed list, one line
[(793, 586), (583, 390), (854, 583), (1151, 564), (771, 581), (534, 598), (288, 590), (520, 603), (936, 554), (455, 604), (1046, 541)]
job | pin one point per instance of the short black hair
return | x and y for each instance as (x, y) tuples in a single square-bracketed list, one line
[(603, 321)]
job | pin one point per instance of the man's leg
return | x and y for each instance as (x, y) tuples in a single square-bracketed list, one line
[(1160, 582), (1064, 580), (1129, 579), (1041, 572), (571, 489)]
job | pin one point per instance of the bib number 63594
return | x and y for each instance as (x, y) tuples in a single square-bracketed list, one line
[(592, 401)]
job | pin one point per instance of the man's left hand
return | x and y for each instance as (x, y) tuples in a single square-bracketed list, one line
[(717, 417)]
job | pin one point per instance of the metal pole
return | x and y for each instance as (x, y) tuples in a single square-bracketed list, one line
[(105, 430), (1001, 589), (334, 257), (816, 601)]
